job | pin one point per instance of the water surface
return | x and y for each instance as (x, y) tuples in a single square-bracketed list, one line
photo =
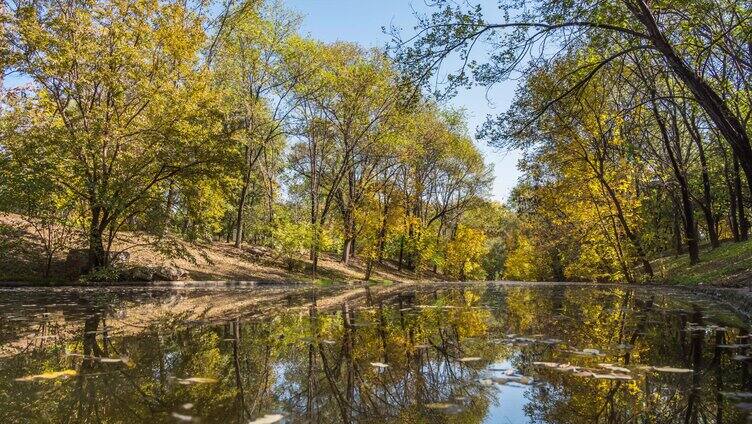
[(454, 354)]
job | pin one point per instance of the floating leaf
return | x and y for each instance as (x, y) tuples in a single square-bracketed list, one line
[(49, 375), (587, 352), (268, 419), (181, 417), (440, 405), (197, 380), (380, 365), (611, 376), (672, 370), (612, 367), (471, 359)]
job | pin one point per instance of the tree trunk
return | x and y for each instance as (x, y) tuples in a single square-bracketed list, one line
[(743, 222), (250, 161), (241, 209), (678, 245), (631, 235), (347, 245), (369, 269), (733, 217), (97, 253), (382, 234), (401, 252), (707, 203), (170, 204), (727, 123), (690, 227)]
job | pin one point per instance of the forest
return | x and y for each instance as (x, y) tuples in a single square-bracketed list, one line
[(175, 122)]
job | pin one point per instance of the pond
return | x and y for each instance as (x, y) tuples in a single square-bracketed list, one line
[(488, 353)]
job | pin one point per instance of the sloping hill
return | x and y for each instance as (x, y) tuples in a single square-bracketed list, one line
[(729, 265), (24, 259)]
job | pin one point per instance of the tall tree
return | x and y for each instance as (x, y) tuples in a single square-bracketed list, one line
[(117, 96)]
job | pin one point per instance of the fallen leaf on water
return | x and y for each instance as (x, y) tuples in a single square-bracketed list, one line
[(547, 364), (612, 367), (557, 366), (268, 419), (49, 375), (471, 359), (587, 352), (672, 370), (197, 380), (439, 405), (525, 380), (181, 417), (611, 376), (379, 365)]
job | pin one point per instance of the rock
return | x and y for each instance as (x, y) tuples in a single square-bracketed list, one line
[(141, 273), (171, 273), (77, 262), (259, 251)]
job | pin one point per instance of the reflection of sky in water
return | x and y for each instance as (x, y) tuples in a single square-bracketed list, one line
[(509, 406)]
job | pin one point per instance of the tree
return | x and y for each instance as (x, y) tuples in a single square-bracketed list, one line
[(248, 62), (119, 99), (668, 31)]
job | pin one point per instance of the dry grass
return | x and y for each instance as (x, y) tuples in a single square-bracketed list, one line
[(23, 260)]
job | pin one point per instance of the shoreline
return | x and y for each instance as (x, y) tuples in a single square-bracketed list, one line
[(738, 299)]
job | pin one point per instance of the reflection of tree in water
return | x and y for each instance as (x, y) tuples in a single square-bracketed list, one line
[(316, 365), (648, 334), (337, 381)]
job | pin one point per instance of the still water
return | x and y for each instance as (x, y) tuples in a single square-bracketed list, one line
[(435, 354)]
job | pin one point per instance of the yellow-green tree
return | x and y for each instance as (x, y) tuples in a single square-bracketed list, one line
[(117, 97)]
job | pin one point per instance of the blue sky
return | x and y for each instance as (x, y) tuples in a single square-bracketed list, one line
[(361, 21)]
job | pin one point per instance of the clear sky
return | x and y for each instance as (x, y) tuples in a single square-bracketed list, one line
[(361, 21)]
